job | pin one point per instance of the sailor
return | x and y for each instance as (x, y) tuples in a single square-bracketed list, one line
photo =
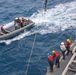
[(19, 21), (63, 49), (50, 61), (3, 30), (24, 21), (68, 46), (57, 56), (16, 23)]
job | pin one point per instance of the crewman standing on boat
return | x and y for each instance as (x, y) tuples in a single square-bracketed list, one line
[(50, 61), (57, 56), (68, 46)]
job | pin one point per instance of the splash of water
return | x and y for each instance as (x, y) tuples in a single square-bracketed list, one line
[(60, 17)]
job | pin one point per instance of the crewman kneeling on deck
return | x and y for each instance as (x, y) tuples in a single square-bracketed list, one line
[(51, 61), (57, 56)]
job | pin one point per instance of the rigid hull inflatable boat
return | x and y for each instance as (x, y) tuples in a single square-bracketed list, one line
[(11, 29)]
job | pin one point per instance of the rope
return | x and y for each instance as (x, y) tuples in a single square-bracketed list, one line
[(30, 54)]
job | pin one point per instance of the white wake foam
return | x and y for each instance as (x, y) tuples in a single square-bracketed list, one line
[(61, 17)]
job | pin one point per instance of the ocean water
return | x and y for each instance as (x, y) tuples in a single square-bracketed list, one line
[(51, 28)]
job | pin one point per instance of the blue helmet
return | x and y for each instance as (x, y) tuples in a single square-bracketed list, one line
[(48, 54)]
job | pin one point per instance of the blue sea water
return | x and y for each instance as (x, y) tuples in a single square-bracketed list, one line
[(51, 28)]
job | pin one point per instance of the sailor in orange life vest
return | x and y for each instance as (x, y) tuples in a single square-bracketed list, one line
[(68, 46), (50, 61), (57, 56)]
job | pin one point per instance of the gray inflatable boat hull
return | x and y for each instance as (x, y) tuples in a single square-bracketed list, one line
[(15, 32)]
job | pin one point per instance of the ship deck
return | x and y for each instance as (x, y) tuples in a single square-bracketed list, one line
[(64, 64)]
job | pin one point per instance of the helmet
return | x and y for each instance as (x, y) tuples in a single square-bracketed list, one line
[(48, 54), (53, 51), (62, 43), (68, 40), (16, 18)]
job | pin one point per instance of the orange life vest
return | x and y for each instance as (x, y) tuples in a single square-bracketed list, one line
[(67, 43), (50, 58), (56, 54)]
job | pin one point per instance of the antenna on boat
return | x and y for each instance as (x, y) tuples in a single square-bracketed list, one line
[(45, 5)]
